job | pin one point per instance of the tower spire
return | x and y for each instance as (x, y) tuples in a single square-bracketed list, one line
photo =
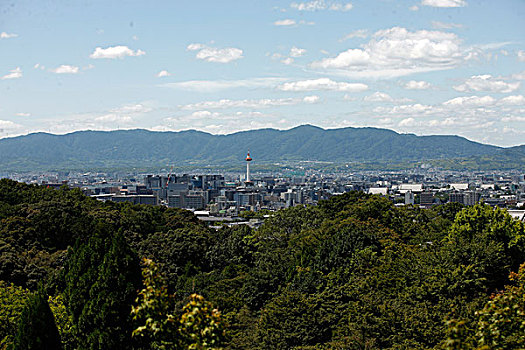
[(248, 160)]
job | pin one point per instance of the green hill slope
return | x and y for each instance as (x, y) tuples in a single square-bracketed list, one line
[(142, 148)]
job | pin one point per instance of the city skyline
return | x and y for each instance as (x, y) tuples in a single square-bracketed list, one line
[(423, 67)]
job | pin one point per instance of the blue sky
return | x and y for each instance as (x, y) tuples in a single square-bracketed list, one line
[(422, 66)]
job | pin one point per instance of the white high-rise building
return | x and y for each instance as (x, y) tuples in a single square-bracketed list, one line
[(248, 160)]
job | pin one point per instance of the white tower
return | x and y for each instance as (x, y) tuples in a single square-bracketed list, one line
[(248, 160)]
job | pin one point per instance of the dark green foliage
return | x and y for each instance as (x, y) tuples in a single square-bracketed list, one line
[(36, 327), (355, 272), (180, 251), (199, 327), (12, 302), (101, 278), (485, 244), (294, 319), (500, 325), (105, 318)]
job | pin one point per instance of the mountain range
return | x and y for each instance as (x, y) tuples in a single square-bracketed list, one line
[(142, 148)]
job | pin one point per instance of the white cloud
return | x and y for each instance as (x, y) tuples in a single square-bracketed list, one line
[(297, 52), (217, 85), (5, 35), (470, 101), (21, 114), (285, 22), (378, 97), (413, 8), (487, 83), (349, 58), (195, 47), (417, 85), (444, 3), (322, 84), (476, 117), (7, 126), (445, 25), (311, 99), (121, 115), (65, 69), (384, 97), (521, 55), (163, 73), (385, 121), (411, 109), (114, 118), (341, 7), (261, 103), (132, 109), (518, 76), (512, 100), (13, 74), (319, 5), (314, 5), (360, 33), (212, 54), (222, 123), (397, 52), (513, 118), (404, 110), (113, 52), (407, 122), (294, 53), (444, 122)]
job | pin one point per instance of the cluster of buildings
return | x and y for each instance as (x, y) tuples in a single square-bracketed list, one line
[(222, 197)]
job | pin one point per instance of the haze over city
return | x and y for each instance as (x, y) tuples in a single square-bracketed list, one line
[(423, 67)]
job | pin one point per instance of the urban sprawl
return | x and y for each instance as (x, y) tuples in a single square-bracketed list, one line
[(223, 198)]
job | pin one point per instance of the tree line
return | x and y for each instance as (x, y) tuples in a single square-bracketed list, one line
[(354, 272)]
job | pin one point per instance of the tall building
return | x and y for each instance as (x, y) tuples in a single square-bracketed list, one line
[(426, 199), (471, 197), (457, 197), (248, 160), (409, 197)]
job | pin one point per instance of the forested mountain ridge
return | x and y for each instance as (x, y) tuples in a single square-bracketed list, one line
[(355, 272), (143, 148)]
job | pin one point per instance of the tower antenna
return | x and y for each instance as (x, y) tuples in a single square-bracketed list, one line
[(248, 160)]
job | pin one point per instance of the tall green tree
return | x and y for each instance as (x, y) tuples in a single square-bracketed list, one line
[(500, 325), (154, 309), (199, 327), (80, 274), (106, 320), (101, 281), (12, 302), (485, 244), (36, 327)]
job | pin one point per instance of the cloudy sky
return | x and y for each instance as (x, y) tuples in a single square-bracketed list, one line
[(414, 66)]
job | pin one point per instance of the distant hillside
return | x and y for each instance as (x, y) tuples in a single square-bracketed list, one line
[(142, 148), (512, 158)]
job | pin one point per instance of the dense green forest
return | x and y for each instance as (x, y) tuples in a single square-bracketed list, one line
[(354, 272)]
